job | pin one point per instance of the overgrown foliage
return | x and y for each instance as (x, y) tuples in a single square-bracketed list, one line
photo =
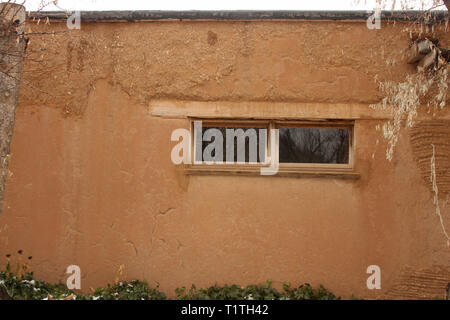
[(256, 292), (27, 288), (18, 283), (427, 88), (406, 97)]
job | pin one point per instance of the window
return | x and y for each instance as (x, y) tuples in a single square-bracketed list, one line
[(296, 146), (313, 145), (304, 144)]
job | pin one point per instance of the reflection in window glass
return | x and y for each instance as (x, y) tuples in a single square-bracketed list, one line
[(314, 145)]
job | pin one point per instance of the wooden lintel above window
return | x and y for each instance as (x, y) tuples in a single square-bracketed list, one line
[(177, 109)]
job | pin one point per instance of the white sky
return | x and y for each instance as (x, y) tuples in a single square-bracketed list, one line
[(207, 5)]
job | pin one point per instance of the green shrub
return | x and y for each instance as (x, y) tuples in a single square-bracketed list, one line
[(27, 288), (21, 285), (255, 292), (306, 292), (133, 290)]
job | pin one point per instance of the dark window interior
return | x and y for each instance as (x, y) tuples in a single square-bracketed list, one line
[(314, 145), (248, 135)]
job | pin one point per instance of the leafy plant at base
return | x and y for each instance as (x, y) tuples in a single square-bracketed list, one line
[(255, 292)]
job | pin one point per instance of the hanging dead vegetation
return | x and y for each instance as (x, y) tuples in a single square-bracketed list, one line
[(404, 98), (427, 88)]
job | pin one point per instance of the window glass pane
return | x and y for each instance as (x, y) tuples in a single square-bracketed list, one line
[(234, 144), (314, 145)]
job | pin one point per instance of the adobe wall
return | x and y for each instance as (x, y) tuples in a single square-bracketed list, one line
[(93, 183)]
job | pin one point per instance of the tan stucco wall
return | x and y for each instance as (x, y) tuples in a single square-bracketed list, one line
[(93, 183)]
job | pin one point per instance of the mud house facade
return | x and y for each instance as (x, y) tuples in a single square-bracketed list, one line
[(93, 183)]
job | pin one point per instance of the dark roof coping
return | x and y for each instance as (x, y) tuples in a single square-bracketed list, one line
[(149, 15)]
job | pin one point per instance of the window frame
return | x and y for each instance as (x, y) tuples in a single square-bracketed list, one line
[(328, 124), (314, 169)]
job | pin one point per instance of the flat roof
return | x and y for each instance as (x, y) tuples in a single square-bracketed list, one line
[(154, 15)]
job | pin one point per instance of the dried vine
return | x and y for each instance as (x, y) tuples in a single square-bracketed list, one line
[(427, 88)]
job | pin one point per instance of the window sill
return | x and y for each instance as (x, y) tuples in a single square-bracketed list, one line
[(335, 173)]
